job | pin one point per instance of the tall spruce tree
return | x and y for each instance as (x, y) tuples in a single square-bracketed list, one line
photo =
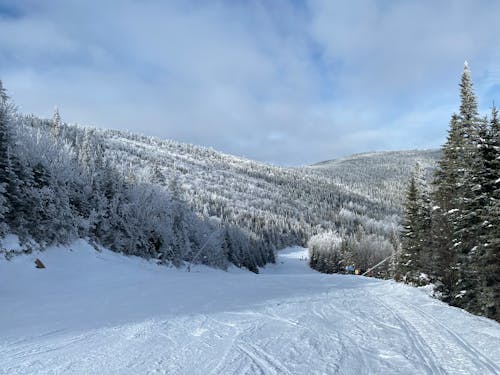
[(415, 260), (465, 219), (448, 172), (409, 262), (467, 222), (56, 124), (4, 146), (447, 178), (424, 226)]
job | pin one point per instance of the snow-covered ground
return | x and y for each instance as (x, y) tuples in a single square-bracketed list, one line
[(94, 312)]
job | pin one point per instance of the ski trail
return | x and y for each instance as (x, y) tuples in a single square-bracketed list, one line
[(416, 340), (456, 346), (453, 353), (487, 362), (264, 360), (286, 320)]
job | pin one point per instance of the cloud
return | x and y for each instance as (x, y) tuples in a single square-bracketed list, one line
[(283, 82)]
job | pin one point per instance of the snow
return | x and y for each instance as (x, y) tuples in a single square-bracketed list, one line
[(94, 312), (10, 242)]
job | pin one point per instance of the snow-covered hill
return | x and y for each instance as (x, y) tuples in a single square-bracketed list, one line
[(381, 176), (287, 204), (94, 312)]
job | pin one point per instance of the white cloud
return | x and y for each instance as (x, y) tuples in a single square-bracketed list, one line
[(275, 81)]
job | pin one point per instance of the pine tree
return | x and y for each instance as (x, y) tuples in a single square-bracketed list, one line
[(56, 125), (443, 257), (157, 176), (467, 220), (18, 180), (414, 263), (13, 175), (424, 223), (448, 173), (4, 146), (447, 179), (409, 262), (86, 151)]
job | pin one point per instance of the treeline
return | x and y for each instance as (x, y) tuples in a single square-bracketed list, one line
[(58, 183), (451, 232)]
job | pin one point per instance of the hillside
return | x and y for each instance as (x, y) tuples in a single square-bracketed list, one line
[(285, 201), (381, 176), (363, 190), (102, 312)]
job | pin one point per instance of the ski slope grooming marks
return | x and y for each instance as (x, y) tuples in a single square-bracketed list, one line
[(94, 312)]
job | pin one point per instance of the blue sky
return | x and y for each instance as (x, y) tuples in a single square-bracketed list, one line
[(286, 82)]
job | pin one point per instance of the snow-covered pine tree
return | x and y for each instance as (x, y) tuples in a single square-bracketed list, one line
[(467, 221), (17, 195), (56, 124), (4, 146), (157, 176), (446, 183), (448, 172), (465, 218), (424, 222), (415, 260), (12, 173)]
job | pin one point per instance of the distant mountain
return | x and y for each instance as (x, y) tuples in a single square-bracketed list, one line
[(379, 176)]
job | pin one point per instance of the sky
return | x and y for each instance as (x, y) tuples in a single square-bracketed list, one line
[(284, 82)]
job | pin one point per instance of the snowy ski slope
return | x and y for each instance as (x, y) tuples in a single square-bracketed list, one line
[(94, 312)]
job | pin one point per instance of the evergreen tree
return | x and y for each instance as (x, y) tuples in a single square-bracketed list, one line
[(467, 220), (424, 224), (447, 179), (443, 257), (449, 171), (56, 125), (157, 176), (414, 255), (18, 179), (4, 155)]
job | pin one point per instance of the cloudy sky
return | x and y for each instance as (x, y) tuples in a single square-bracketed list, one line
[(287, 82)]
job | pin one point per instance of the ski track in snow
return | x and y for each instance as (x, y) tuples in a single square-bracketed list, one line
[(102, 313)]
